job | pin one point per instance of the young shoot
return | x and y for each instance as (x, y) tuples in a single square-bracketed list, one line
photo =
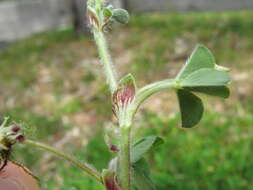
[(128, 169)]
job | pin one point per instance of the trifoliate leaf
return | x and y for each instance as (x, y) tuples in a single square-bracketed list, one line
[(141, 176), (121, 16), (199, 59), (191, 108), (218, 91), (144, 145), (206, 77)]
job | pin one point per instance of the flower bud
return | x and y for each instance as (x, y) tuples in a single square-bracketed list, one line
[(20, 138), (9, 135), (114, 148), (125, 93), (15, 128), (109, 180), (93, 20)]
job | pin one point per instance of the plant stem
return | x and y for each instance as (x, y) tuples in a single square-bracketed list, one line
[(83, 166), (105, 59), (4, 122), (153, 88), (124, 159)]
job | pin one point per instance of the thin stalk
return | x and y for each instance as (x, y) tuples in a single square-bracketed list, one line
[(124, 161), (4, 122), (105, 59), (85, 167)]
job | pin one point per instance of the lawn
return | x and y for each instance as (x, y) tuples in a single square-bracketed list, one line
[(52, 83)]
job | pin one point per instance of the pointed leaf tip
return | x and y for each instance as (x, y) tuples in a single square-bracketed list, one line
[(199, 59), (144, 145)]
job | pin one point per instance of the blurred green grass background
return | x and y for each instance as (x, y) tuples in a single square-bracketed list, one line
[(52, 83)]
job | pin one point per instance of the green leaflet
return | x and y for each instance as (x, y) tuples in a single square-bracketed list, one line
[(218, 91), (191, 108), (199, 59), (206, 77), (107, 12), (120, 15), (144, 145), (141, 176)]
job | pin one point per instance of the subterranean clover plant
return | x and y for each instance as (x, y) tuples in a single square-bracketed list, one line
[(129, 169)]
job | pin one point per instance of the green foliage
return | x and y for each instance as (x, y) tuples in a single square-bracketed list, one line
[(120, 15), (141, 175), (221, 156), (189, 159), (206, 77), (143, 145), (108, 12), (219, 91), (212, 156), (191, 108), (200, 70), (199, 75), (201, 58)]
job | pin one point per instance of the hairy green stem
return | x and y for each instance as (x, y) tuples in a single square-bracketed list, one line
[(85, 167), (124, 154), (105, 59), (124, 159), (153, 88)]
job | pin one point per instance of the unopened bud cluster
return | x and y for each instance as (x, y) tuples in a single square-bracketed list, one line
[(9, 135), (100, 14)]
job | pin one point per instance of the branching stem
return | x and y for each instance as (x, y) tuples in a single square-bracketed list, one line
[(83, 166)]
